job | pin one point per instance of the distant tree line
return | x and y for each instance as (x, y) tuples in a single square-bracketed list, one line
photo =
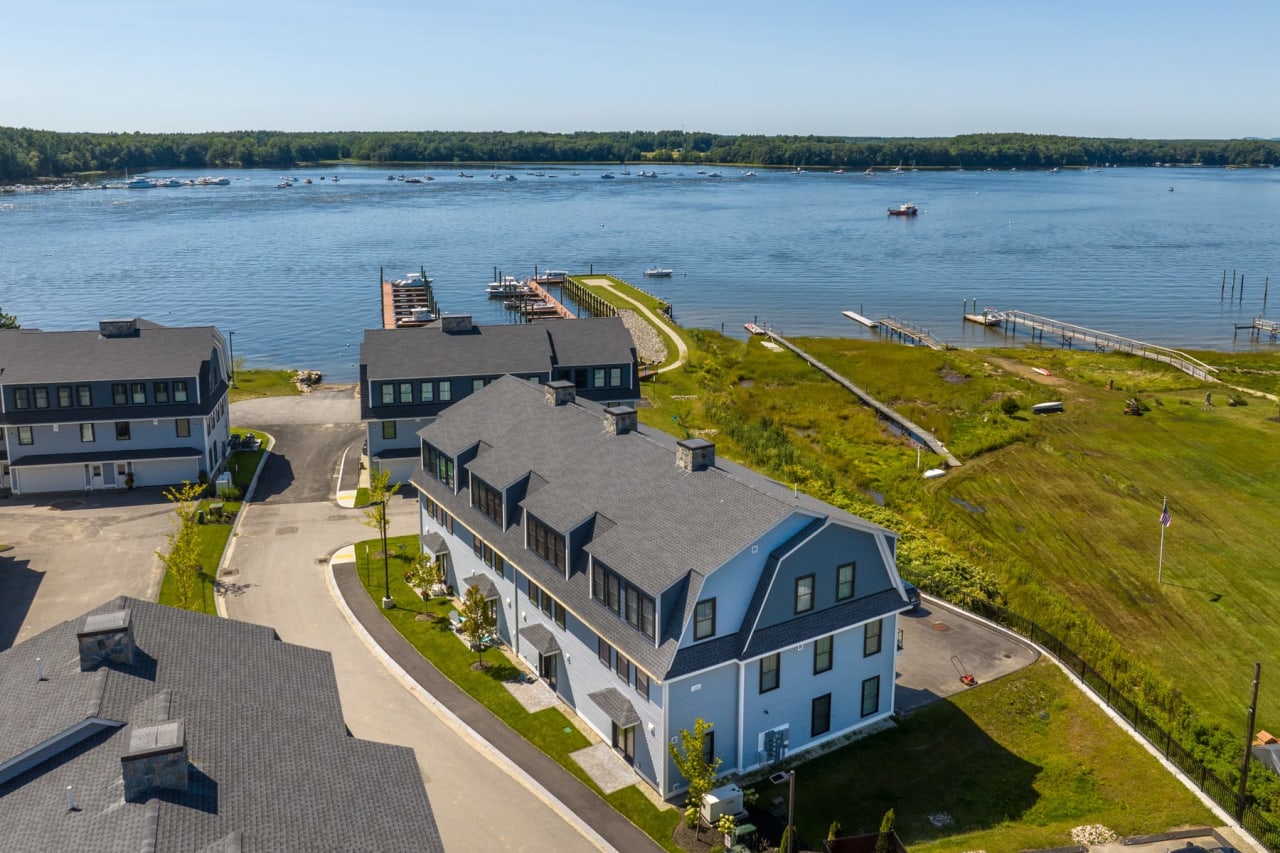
[(27, 154)]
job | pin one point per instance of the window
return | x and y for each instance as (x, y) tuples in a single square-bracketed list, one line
[(549, 545), (439, 465), (119, 394), (704, 619), (388, 393), (613, 591), (42, 397), (21, 398), (388, 429), (622, 667), (709, 747), (844, 581), (160, 392), (647, 616), (84, 395), (182, 427), (871, 639), (871, 696), (642, 684), (427, 391), (478, 546), (446, 391), (821, 654), (597, 581), (64, 396), (804, 594), (820, 716), (615, 377), (180, 391), (24, 435), (597, 380), (487, 499), (477, 385), (122, 430), (603, 651), (558, 615), (138, 393), (406, 392), (769, 667), (86, 432)]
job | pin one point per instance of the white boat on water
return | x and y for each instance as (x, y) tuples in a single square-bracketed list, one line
[(658, 272), (140, 184), (506, 287), (210, 181)]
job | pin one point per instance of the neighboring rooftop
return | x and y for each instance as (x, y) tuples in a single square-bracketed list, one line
[(179, 731), (118, 349)]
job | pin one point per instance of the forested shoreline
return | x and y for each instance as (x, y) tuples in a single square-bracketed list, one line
[(27, 155)]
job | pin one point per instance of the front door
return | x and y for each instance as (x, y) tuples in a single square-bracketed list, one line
[(624, 741), (92, 477), (548, 667)]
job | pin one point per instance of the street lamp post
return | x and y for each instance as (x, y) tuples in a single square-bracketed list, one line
[(387, 601), (790, 777)]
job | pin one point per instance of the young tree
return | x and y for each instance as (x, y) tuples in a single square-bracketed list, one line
[(884, 844), (691, 761), (480, 624), (183, 556), (8, 321), (380, 491)]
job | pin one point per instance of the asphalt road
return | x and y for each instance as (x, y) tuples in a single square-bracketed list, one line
[(277, 576)]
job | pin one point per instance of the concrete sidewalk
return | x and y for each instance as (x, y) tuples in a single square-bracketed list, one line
[(576, 797)]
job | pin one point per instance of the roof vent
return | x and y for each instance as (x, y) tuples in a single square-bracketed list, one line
[(695, 454), (157, 759), (106, 637), (456, 323), (118, 328), (560, 392), (619, 420)]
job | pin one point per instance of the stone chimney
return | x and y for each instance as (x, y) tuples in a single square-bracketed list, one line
[(560, 392), (695, 454), (106, 637), (157, 759), (118, 328), (619, 420), (456, 323)]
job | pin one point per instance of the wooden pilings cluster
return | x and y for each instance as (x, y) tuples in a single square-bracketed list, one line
[(1222, 292), (593, 302)]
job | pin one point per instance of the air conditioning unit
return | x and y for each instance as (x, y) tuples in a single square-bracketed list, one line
[(722, 801)]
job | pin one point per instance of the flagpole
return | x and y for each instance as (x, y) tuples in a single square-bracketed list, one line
[(1160, 568)]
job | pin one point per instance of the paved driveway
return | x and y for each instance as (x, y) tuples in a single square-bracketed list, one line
[(72, 552)]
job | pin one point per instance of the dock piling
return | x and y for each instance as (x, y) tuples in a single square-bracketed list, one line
[(1222, 292), (1266, 284)]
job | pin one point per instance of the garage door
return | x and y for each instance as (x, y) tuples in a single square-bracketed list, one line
[(47, 478), (401, 469), (165, 472)]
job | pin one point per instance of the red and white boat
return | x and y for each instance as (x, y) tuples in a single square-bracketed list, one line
[(904, 209), (753, 328)]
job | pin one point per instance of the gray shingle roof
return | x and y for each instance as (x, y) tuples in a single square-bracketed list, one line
[(487, 587), (269, 756), (119, 452), (33, 356), (616, 706), (541, 639)]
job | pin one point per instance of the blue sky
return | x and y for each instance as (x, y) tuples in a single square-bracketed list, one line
[(1130, 69)]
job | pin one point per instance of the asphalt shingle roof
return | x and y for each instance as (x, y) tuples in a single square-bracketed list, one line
[(33, 356), (270, 762)]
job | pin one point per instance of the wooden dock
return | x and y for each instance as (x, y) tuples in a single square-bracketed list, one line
[(408, 302), (1260, 327), (858, 318), (1070, 333), (910, 332), (910, 428), (544, 306)]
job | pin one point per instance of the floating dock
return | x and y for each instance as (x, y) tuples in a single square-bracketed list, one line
[(543, 306), (1259, 327), (858, 318), (988, 317), (408, 302), (1070, 333)]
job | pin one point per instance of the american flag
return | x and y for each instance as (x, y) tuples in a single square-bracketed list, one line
[(1165, 518)]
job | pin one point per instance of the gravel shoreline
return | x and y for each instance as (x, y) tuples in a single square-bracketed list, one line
[(651, 345)]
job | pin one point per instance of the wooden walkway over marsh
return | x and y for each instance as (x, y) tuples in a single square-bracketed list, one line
[(911, 428), (910, 332)]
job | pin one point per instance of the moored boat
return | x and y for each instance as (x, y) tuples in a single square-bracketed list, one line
[(904, 209), (658, 272)]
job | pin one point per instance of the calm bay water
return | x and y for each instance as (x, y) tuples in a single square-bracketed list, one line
[(294, 272)]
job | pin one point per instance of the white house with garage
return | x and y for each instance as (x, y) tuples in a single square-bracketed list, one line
[(132, 403), (649, 583)]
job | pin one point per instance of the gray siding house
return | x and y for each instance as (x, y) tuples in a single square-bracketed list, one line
[(133, 402), (408, 376), (649, 583)]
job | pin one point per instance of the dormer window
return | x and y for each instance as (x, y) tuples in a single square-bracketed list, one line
[(487, 499), (439, 465), (546, 543)]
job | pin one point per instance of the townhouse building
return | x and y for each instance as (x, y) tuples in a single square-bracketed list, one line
[(650, 583)]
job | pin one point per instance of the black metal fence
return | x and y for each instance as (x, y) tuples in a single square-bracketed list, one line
[(1259, 825)]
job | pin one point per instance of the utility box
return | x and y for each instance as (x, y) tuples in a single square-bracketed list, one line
[(722, 801)]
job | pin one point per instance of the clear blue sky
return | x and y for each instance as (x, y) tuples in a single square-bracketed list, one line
[(925, 68)]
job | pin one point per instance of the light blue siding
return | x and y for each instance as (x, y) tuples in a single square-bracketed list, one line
[(819, 556)]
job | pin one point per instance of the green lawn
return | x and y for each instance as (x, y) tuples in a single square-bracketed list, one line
[(1014, 764), (262, 382), (549, 730)]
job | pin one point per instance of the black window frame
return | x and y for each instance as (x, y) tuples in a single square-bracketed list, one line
[(427, 392), (622, 667), (180, 391), (598, 574), (642, 683), (65, 397), (21, 398), (40, 397), (138, 393), (487, 499), (843, 584), (820, 715), (613, 592), (709, 747), (89, 432), (84, 396), (598, 377), (178, 424), (823, 654), (808, 596), (387, 394), (406, 392), (604, 652), (615, 377), (477, 385), (119, 394), (388, 430), (772, 673), (700, 620), (26, 436), (444, 393), (869, 639), (124, 432), (439, 465), (874, 683), (160, 392), (547, 542)]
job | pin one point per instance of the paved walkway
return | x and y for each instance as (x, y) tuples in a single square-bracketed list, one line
[(661, 324)]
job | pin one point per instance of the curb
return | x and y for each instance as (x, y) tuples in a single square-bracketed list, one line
[(219, 601), (470, 735)]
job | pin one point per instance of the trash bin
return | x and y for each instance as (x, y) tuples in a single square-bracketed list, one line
[(199, 516)]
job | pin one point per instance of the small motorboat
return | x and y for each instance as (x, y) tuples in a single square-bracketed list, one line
[(658, 272), (904, 209)]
